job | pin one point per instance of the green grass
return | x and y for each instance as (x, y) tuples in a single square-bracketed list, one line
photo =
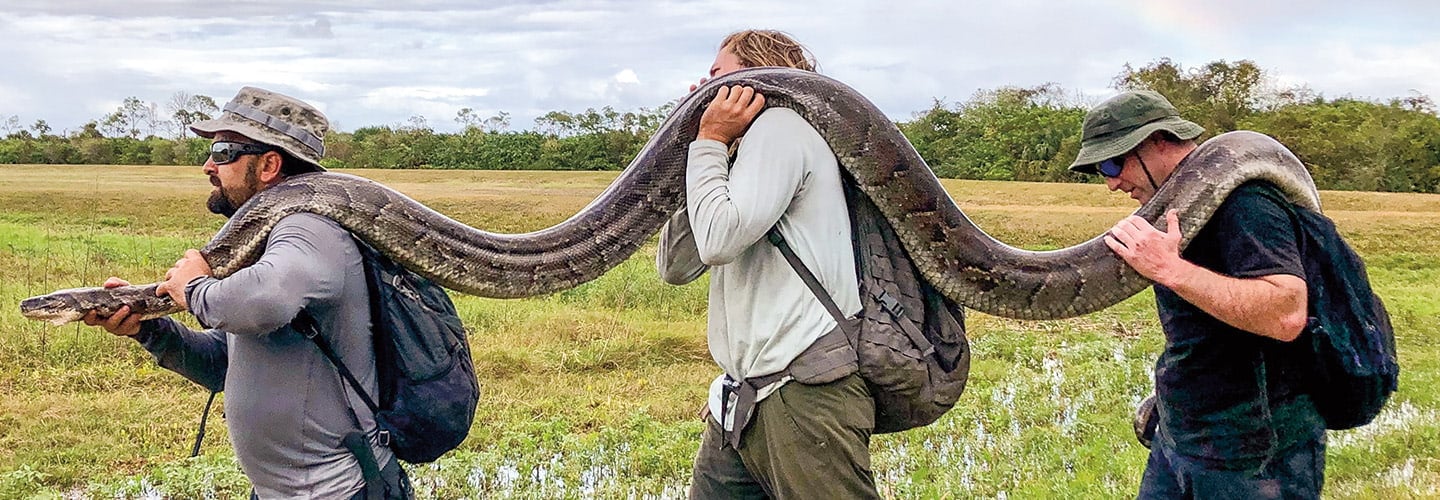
[(594, 391)]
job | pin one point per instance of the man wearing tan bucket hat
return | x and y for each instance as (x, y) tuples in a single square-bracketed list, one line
[(1234, 420), (297, 430)]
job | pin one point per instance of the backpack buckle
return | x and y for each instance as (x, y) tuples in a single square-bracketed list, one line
[(890, 304), (305, 325), (384, 438), (774, 236)]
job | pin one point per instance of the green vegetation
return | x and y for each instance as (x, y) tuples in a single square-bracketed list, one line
[(1009, 133), (594, 392)]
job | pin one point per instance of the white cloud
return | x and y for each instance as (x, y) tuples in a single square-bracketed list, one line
[(320, 28), (12, 96), (1376, 71), (425, 93), (380, 62)]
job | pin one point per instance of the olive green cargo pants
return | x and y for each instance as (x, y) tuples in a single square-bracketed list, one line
[(805, 441)]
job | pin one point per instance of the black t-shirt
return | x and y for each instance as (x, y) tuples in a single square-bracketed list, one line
[(1227, 396)]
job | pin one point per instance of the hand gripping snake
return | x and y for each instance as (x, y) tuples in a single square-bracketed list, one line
[(955, 255)]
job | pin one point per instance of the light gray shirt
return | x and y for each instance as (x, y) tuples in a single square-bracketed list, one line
[(761, 315), (285, 404)]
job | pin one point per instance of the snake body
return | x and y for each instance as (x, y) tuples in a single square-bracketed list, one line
[(960, 259)]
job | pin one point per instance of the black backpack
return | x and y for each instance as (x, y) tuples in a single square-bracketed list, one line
[(428, 389), (910, 340), (1355, 368)]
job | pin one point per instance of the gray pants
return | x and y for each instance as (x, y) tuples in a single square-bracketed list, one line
[(805, 441)]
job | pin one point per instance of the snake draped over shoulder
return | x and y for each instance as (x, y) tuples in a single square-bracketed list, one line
[(953, 254)]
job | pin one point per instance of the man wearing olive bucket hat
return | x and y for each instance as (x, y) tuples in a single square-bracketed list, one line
[(297, 430), (1233, 418)]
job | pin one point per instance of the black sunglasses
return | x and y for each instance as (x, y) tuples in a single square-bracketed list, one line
[(1112, 167), (223, 152)]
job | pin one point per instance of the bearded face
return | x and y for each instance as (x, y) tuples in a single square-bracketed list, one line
[(235, 183)]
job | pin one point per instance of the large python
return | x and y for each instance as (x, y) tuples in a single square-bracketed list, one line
[(955, 255)]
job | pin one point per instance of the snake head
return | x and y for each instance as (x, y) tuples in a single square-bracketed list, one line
[(56, 308)]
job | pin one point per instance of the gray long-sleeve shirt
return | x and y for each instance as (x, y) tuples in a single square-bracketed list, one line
[(761, 315), (285, 404)]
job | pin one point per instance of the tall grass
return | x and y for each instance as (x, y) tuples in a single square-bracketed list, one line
[(594, 391)]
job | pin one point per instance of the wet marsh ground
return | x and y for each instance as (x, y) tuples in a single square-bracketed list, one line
[(593, 392)]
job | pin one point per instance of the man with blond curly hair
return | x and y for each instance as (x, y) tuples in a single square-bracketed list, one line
[(770, 434)]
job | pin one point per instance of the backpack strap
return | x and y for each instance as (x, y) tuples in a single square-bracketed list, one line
[(747, 391), (886, 301), (305, 324), (805, 275), (355, 441)]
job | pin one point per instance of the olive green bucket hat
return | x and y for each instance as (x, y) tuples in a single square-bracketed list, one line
[(1116, 126), (272, 119)]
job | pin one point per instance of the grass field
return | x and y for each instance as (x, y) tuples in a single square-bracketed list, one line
[(593, 392)]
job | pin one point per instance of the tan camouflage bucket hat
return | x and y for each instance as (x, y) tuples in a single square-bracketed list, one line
[(272, 119)]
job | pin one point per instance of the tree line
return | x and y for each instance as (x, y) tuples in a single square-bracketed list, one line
[(1009, 133)]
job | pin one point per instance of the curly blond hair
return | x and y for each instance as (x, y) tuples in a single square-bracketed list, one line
[(768, 48)]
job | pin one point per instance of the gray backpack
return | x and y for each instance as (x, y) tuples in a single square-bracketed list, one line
[(909, 339)]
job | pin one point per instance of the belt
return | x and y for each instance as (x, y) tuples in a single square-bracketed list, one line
[(830, 358)]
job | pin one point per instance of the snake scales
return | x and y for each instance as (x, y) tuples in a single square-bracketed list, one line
[(955, 255)]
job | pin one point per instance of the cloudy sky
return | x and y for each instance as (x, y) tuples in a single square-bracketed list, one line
[(379, 63)]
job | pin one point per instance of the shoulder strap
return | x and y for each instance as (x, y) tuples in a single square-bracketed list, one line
[(355, 441), (884, 299), (805, 275), (305, 324)]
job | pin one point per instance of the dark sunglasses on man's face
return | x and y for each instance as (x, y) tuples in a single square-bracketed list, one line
[(227, 151), (1111, 167)]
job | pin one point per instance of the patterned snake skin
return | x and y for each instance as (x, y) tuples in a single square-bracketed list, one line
[(960, 259)]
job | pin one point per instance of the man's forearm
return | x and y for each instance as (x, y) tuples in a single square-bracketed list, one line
[(1272, 306), (200, 357)]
